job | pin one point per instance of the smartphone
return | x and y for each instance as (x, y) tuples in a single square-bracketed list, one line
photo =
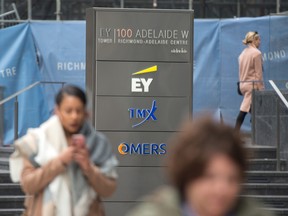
[(78, 140)]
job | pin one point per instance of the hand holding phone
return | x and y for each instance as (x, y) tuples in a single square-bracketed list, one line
[(78, 140), (81, 155)]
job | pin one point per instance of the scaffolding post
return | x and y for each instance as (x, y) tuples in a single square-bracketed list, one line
[(190, 4), (155, 4), (29, 9), (238, 8), (203, 8), (58, 10), (122, 4), (277, 6), (16, 11), (2, 12)]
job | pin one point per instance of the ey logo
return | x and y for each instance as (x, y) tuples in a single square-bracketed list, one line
[(142, 84)]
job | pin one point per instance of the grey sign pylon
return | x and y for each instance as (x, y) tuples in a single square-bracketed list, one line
[(139, 81)]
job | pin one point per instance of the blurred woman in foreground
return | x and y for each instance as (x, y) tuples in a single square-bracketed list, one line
[(64, 166), (206, 165)]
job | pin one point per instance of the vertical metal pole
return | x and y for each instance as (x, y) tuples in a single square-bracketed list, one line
[(29, 9), (278, 134), (122, 5), (16, 11), (2, 7), (190, 4), (277, 6), (238, 8), (1, 118), (2, 12), (58, 10), (203, 9), (155, 4), (16, 118), (253, 115)]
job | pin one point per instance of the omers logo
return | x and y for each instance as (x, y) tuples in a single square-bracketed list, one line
[(142, 148), (142, 84), (143, 114)]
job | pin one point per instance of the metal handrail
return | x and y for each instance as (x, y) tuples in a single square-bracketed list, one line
[(15, 96), (283, 99), (19, 92), (27, 88), (277, 90), (52, 82), (6, 14), (252, 81)]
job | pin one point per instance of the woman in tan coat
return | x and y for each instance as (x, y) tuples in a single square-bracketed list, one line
[(250, 73), (64, 166)]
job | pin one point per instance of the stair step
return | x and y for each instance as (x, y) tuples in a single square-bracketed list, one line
[(267, 177), (10, 190), (6, 151), (251, 177), (271, 201), (278, 211), (11, 202), (5, 176), (4, 163), (266, 164), (11, 212), (261, 152), (265, 189)]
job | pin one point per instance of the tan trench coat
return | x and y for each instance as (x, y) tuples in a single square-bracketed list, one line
[(250, 69), (34, 180)]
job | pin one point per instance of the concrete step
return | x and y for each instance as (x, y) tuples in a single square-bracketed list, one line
[(261, 152), (10, 190), (6, 151), (265, 189), (272, 201), (278, 211), (251, 177), (5, 176), (11, 202), (266, 165), (11, 212), (4, 163), (267, 177)]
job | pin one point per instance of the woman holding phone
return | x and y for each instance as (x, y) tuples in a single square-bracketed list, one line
[(65, 166)]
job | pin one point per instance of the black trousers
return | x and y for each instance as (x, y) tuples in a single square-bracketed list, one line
[(240, 120)]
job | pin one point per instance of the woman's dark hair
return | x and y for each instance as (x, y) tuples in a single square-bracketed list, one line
[(70, 90), (193, 147)]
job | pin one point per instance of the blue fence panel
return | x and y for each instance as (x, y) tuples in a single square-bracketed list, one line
[(60, 52), (18, 69)]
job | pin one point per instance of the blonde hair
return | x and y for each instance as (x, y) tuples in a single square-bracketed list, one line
[(250, 36)]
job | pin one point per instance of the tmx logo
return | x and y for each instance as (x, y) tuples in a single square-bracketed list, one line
[(143, 114), (142, 84)]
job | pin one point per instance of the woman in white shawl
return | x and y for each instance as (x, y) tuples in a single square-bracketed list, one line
[(65, 166)]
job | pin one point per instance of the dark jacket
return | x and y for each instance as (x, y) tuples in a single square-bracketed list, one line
[(166, 202)]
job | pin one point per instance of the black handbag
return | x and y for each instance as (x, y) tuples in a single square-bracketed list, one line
[(238, 89)]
